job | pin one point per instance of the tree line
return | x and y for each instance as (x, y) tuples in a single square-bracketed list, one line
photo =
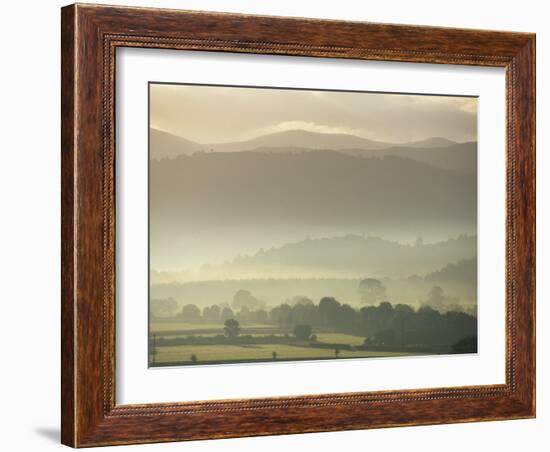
[(384, 324)]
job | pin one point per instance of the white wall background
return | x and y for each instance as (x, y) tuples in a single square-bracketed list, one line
[(29, 228)]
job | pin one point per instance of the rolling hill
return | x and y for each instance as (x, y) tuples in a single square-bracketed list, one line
[(436, 151), (301, 139), (411, 290), (457, 157), (353, 256), (254, 189)]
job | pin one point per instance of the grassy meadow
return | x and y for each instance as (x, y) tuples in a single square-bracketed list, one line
[(328, 345), (206, 354)]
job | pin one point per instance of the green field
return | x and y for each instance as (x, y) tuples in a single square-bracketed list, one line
[(340, 338), (181, 354), (211, 353), (159, 327), (166, 329)]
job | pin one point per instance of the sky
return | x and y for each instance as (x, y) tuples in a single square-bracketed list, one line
[(214, 114)]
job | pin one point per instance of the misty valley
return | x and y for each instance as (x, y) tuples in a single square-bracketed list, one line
[(266, 320), (248, 330), (289, 225)]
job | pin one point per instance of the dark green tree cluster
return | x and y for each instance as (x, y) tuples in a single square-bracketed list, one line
[(303, 332), (397, 325), (231, 328), (384, 324)]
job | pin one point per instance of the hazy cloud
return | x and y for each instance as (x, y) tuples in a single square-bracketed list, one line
[(308, 126)]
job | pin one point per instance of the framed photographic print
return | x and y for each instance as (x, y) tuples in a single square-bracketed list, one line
[(281, 225)]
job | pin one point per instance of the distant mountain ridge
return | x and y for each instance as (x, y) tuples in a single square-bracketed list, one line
[(165, 144), (287, 193), (349, 256), (457, 157), (464, 271), (352, 256), (301, 139), (433, 142), (436, 151), (323, 187), (458, 280)]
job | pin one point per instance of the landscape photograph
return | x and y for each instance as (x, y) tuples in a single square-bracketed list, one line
[(303, 224)]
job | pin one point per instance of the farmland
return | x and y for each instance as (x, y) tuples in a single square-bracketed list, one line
[(206, 354), (343, 345), (167, 329), (305, 331)]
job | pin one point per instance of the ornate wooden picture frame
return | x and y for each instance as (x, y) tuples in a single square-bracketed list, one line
[(90, 37)]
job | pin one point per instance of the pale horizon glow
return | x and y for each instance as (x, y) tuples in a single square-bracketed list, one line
[(206, 114)]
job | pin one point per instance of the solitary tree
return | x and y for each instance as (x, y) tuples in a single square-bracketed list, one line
[(191, 313), (274, 356), (336, 352), (372, 291), (441, 302), (302, 332), (226, 314), (193, 358), (231, 328), (328, 310)]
